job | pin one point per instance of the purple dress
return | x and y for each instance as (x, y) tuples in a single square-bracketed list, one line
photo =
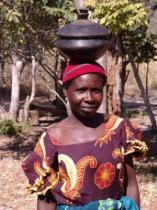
[(79, 173)]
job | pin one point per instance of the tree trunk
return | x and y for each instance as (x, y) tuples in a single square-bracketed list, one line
[(124, 77), (114, 84), (34, 114), (110, 82), (60, 64), (2, 80), (103, 62), (143, 93), (147, 74), (15, 89), (118, 85), (119, 81), (30, 99)]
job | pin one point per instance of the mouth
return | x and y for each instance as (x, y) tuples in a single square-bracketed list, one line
[(88, 108)]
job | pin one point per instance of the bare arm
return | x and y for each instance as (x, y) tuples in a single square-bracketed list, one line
[(132, 189), (44, 205)]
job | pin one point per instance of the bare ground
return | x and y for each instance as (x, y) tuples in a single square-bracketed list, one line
[(13, 195)]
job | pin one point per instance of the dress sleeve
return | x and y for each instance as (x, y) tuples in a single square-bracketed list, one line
[(41, 166), (132, 140)]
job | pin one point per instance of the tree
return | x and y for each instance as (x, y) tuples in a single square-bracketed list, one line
[(120, 17), (29, 29)]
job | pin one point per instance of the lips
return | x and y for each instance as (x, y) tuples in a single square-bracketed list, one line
[(88, 108)]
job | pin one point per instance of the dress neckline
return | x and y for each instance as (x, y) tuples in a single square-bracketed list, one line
[(107, 127)]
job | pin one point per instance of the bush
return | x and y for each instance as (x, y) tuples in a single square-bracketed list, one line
[(9, 127)]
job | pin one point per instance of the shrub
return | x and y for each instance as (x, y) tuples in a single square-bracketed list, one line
[(9, 127)]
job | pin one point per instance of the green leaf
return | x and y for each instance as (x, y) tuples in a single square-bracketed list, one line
[(118, 15)]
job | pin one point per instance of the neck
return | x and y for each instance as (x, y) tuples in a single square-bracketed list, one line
[(91, 121)]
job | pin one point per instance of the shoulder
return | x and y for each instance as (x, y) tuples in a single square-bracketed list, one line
[(58, 126), (114, 121), (121, 121), (56, 131)]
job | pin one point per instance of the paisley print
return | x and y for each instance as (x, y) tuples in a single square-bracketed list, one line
[(70, 169), (74, 175), (38, 169), (40, 147), (81, 166)]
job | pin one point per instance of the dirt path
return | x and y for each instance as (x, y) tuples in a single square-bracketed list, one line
[(13, 195), (12, 181)]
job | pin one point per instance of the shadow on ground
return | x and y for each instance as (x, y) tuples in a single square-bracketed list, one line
[(22, 145), (17, 147)]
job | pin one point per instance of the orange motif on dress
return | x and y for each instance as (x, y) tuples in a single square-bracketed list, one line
[(81, 166), (39, 150), (104, 175), (135, 143), (117, 153), (63, 177), (72, 192), (129, 133), (107, 131), (38, 169), (44, 168)]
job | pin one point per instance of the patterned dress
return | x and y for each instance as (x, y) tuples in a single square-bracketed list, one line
[(77, 174)]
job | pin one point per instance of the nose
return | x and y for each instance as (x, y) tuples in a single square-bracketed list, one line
[(89, 97)]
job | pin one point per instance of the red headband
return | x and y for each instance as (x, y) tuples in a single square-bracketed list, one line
[(75, 70)]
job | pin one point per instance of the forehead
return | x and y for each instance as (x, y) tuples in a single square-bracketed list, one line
[(91, 79)]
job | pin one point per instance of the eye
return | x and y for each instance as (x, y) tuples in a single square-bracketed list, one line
[(97, 90), (81, 90)]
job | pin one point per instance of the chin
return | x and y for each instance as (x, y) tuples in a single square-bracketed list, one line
[(87, 114)]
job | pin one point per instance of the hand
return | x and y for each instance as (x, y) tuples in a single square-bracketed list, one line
[(132, 189), (43, 205)]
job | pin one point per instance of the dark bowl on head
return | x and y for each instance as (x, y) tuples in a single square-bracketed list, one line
[(83, 40), (82, 49)]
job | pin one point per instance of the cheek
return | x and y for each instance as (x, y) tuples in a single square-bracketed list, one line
[(99, 98), (74, 99)]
